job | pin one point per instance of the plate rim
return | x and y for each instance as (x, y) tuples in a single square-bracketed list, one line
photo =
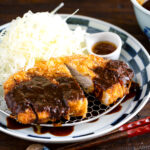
[(95, 135)]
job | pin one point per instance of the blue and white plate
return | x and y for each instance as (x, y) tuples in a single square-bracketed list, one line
[(132, 53)]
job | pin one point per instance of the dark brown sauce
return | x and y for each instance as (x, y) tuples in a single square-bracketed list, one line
[(42, 94), (57, 131), (133, 90), (146, 5), (13, 124), (116, 109), (129, 96), (113, 72), (93, 120), (103, 48)]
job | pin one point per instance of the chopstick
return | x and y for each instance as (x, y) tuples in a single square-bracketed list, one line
[(132, 129)]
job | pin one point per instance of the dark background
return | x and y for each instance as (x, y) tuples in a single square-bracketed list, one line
[(118, 12)]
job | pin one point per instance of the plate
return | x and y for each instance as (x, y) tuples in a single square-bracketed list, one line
[(132, 53)]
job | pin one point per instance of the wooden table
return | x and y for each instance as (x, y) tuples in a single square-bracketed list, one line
[(118, 12)]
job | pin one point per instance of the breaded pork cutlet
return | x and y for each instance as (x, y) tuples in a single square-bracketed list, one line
[(47, 92), (107, 79), (51, 89)]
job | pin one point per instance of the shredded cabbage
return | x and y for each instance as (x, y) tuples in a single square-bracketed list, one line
[(37, 36)]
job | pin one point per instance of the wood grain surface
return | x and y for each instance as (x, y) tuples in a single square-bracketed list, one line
[(118, 12)]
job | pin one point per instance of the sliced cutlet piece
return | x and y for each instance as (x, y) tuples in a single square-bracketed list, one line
[(48, 90), (71, 90), (81, 67), (107, 79), (113, 81)]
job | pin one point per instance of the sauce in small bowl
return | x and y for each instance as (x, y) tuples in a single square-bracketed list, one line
[(104, 48), (104, 44)]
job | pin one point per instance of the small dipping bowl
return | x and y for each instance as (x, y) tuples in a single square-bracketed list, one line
[(111, 37)]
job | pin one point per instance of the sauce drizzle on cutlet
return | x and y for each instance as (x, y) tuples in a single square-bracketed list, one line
[(43, 95), (114, 71)]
